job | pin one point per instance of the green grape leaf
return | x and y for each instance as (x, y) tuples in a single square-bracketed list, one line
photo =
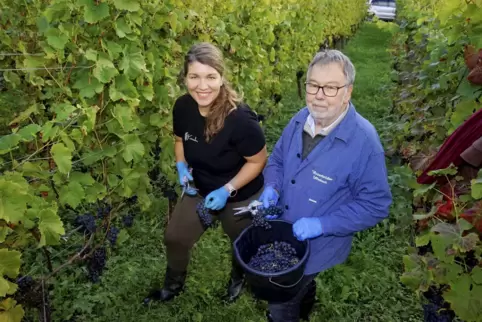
[(465, 298), (62, 157), (95, 192), (105, 70), (56, 38), (50, 227), (88, 86), (129, 5), (124, 114), (94, 12), (133, 148), (122, 88), (72, 194), (132, 63), (29, 132)]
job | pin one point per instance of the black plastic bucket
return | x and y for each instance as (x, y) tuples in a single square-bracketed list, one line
[(273, 287)]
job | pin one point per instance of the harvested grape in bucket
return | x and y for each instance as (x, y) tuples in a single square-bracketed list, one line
[(274, 257)]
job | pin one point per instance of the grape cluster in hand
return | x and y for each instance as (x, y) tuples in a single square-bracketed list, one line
[(97, 264), (274, 257), (272, 211), (205, 215), (259, 219), (86, 223)]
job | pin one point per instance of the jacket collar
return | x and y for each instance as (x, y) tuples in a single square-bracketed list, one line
[(342, 131)]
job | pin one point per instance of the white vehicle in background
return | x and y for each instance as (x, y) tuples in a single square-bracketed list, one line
[(383, 9)]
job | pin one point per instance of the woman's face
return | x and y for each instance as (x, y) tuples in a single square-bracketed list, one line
[(203, 83)]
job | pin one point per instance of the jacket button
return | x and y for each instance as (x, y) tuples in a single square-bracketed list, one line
[(286, 207), (298, 155), (293, 181)]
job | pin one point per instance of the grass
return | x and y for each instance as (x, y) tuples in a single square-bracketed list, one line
[(365, 288)]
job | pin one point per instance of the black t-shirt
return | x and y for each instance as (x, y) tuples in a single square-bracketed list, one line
[(215, 163)]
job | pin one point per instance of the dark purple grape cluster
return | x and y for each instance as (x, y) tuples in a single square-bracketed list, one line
[(112, 235), (128, 220), (96, 264), (272, 211), (103, 210), (205, 215), (260, 221), (25, 283), (274, 257), (86, 223), (432, 313)]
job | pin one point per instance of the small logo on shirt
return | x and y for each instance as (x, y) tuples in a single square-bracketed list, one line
[(320, 177), (188, 137)]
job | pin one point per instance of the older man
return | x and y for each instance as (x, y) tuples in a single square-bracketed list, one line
[(328, 173)]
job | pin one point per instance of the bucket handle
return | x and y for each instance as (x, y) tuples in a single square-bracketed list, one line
[(285, 286)]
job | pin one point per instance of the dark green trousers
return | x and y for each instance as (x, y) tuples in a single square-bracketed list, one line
[(185, 229)]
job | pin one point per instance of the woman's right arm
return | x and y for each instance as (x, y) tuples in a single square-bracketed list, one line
[(179, 149)]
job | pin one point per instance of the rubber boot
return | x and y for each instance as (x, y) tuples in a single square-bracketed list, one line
[(308, 301), (235, 284), (173, 285)]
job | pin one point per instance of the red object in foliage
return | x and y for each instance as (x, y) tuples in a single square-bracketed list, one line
[(454, 145)]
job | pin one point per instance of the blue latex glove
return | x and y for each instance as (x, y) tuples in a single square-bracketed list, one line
[(183, 173), (217, 199), (269, 197), (307, 227)]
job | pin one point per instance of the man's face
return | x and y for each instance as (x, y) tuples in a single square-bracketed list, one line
[(325, 109)]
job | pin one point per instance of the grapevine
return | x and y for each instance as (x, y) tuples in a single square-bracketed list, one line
[(88, 136)]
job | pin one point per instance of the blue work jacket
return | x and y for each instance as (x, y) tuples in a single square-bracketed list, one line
[(343, 182)]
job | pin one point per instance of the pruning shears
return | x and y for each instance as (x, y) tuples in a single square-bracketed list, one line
[(187, 187), (252, 208)]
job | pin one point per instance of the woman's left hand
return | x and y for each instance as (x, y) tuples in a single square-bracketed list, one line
[(217, 199)]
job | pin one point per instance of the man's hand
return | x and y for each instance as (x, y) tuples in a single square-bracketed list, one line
[(307, 227), (183, 173), (217, 199), (269, 197)]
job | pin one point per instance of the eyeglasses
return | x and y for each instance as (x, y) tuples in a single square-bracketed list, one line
[(330, 91)]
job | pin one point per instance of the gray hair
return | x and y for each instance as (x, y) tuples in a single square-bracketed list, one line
[(334, 56)]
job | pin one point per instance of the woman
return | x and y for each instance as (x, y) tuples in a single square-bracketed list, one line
[(220, 139)]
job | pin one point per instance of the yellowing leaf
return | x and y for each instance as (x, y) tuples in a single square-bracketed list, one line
[(50, 227), (10, 312), (14, 198), (4, 231), (9, 265), (62, 157)]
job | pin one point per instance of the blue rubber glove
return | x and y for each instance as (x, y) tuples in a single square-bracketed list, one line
[(269, 197), (183, 173), (307, 227), (217, 199)]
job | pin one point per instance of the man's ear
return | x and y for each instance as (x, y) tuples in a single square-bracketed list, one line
[(349, 90)]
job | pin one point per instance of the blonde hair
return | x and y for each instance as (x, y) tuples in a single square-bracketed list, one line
[(227, 99)]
